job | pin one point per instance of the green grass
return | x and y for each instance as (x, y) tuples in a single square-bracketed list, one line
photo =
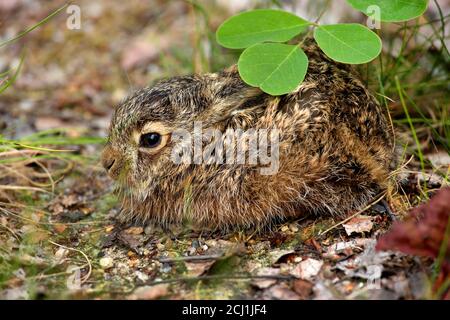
[(33, 27)]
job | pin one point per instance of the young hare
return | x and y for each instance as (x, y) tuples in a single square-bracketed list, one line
[(333, 155)]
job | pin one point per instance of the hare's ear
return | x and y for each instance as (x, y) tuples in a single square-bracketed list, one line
[(230, 94)]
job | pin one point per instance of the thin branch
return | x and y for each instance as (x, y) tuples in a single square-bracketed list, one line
[(354, 215), (86, 277), (191, 258), (222, 277)]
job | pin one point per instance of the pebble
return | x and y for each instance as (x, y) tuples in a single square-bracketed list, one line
[(141, 276), (106, 262), (165, 268)]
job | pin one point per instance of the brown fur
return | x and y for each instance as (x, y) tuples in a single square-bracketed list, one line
[(335, 149)]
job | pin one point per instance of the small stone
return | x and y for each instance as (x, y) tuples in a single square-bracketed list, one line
[(141, 276), (106, 262), (284, 228), (165, 268), (195, 244), (149, 230)]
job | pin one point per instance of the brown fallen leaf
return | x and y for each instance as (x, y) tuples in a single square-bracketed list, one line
[(198, 268), (59, 228), (303, 288), (280, 292), (134, 230), (69, 200), (358, 224), (130, 240), (423, 233)]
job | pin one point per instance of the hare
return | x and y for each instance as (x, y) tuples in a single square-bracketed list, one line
[(334, 149)]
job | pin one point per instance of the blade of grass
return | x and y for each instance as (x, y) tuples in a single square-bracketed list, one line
[(411, 125), (10, 81), (37, 25)]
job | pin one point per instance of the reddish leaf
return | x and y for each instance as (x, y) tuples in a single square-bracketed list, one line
[(422, 233)]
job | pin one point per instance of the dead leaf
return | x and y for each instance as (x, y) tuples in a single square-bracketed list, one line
[(277, 254), (278, 238), (134, 230), (59, 228), (109, 228), (423, 234), (307, 269), (60, 255), (303, 288), (280, 292), (69, 200), (439, 159), (265, 283), (339, 247), (368, 265), (198, 268), (358, 224), (130, 240)]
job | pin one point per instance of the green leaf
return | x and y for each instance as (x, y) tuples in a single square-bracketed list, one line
[(256, 26), (391, 10), (348, 43), (273, 67)]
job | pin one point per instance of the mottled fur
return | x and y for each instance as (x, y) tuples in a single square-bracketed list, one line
[(335, 151)]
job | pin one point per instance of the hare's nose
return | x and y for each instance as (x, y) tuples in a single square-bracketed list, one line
[(110, 161)]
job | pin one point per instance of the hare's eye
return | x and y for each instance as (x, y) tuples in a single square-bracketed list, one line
[(150, 140)]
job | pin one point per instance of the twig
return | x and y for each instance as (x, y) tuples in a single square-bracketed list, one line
[(191, 258), (11, 230), (16, 205), (86, 277), (354, 215), (4, 187), (14, 153), (388, 210), (218, 277)]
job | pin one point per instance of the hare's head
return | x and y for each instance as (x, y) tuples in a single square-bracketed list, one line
[(141, 141)]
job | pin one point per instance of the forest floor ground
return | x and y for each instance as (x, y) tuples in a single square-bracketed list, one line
[(58, 234)]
